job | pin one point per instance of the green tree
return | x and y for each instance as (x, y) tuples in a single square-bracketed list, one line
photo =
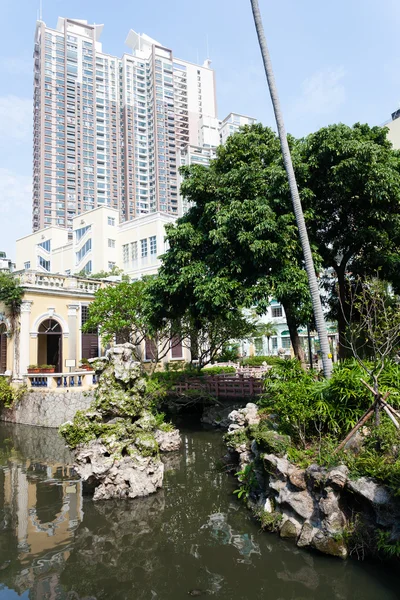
[(353, 177), (294, 192), (238, 245), (11, 294), (123, 313)]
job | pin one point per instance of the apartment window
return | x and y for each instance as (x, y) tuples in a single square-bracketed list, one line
[(27, 265), (111, 221), (143, 245), (84, 250), (111, 243), (111, 265), (45, 245), (274, 343), (125, 253), (134, 250), (286, 343), (79, 233), (45, 264), (153, 244), (276, 311)]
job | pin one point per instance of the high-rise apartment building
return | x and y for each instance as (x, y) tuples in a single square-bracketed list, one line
[(107, 130)]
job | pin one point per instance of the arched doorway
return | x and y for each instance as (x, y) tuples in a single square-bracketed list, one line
[(3, 348), (50, 344)]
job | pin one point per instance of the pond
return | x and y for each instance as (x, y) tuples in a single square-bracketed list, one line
[(192, 538)]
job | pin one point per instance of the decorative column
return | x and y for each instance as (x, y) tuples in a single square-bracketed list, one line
[(22, 342), (73, 331)]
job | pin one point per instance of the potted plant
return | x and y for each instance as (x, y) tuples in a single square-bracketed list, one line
[(47, 368), (85, 364), (33, 369)]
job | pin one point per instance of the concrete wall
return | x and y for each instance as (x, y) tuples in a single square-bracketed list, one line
[(46, 408)]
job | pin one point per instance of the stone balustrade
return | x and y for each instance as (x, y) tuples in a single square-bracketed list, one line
[(62, 381), (30, 279)]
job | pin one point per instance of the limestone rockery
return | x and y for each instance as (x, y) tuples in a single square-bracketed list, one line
[(316, 507), (118, 440)]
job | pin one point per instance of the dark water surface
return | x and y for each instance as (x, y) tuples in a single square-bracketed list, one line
[(192, 536)]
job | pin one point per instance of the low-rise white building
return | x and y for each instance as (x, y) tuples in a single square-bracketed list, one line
[(97, 243)]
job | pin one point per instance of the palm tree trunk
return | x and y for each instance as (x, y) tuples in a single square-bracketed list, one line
[(298, 211)]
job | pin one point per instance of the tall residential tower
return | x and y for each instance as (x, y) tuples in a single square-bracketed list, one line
[(107, 130)]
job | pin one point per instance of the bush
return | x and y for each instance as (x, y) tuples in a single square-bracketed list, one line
[(317, 414), (10, 394), (217, 370), (257, 361)]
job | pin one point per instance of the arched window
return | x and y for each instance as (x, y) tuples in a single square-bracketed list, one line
[(3, 348), (50, 326)]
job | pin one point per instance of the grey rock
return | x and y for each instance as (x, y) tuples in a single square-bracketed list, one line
[(306, 535), (277, 465), (122, 477), (290, 528), (329, 545), (168, 441), (301, 503), (329, 503), (367, 488), (297, 478), (337, 477)]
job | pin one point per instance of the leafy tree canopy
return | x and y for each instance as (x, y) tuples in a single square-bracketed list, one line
[(238, 244), (353, 175)]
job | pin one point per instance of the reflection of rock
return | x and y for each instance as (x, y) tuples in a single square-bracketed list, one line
[(118, 439), (116, 543), (219, 526)]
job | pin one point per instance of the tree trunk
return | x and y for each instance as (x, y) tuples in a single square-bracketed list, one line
[(298, 211), (294, 336), (343, 313)]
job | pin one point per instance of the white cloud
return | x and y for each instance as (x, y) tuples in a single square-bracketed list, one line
[(15, 208), (16, 65), (15, 118), (322, 93)]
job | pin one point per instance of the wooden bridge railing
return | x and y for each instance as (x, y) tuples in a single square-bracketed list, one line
[(222, 386)]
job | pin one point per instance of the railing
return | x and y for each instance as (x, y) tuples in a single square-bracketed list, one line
[(48, 281), (221, 386), (79, 379)]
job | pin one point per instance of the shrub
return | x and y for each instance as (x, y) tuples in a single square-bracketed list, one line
[(270, 521), (10, 394), (307, 406), (257, 361), (217, 370)]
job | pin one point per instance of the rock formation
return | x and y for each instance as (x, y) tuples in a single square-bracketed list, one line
[(117, 441), (313, 506)]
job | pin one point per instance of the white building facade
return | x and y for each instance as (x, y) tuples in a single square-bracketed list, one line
[(97, 243)]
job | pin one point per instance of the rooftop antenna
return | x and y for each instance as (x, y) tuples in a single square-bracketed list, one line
[(208, 49), (40, 10)]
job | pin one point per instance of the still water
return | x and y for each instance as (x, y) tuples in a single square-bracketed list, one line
[(192, 538)]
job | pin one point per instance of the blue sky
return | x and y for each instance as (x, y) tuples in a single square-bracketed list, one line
[(333, 61)]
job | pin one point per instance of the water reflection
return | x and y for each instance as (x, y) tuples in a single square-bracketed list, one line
[(40, 507), (192, 537)]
